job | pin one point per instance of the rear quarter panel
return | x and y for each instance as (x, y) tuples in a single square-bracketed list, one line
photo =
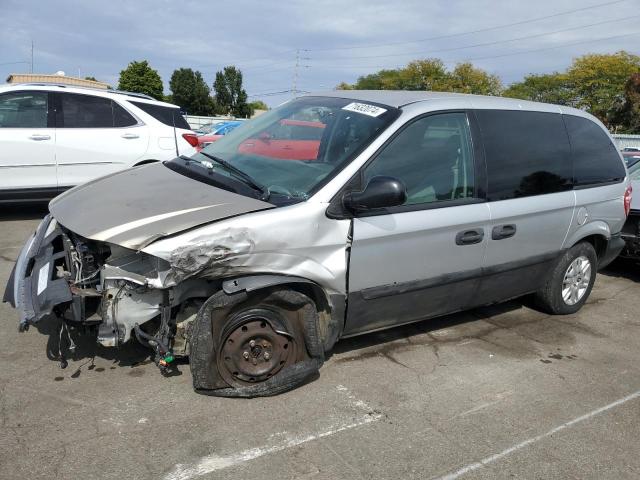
[(599, 211)]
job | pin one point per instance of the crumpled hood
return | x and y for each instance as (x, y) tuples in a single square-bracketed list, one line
[(134, 207)]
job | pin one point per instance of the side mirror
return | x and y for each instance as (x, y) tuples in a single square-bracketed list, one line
[(380, 192), (265, 137)]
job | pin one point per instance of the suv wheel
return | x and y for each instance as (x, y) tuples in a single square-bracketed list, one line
[(570, 282)]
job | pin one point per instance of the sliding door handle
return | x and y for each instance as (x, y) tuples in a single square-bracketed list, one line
[(500, 232), (469, 237)]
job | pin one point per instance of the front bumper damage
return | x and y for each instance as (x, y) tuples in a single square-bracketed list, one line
[(32, 288), (104, 289)]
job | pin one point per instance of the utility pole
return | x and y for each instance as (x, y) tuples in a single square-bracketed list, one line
[(31, 56), (295, 74), (296, 68)]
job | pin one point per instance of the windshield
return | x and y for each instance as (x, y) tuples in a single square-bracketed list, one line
[(294, 149)]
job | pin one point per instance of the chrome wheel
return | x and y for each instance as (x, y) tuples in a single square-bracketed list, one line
[(576, 280)]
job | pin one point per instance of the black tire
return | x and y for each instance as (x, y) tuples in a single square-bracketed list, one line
[(287, 318), (550, 297)]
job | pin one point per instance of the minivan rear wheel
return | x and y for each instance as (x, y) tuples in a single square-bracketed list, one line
[(570, 282)]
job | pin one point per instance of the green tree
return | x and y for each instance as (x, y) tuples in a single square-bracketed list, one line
[(625, 117), (598, 81), (382, 80), (141, 78), (344, 86), (230, 97), (427, 74), (465, 78), (548, 88), (190, 92), (258, 105), (91, 78), (430, 74)]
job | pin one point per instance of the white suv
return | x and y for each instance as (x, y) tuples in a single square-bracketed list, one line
[(53, 137)]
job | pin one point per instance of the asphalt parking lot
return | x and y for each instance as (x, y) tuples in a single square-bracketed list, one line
[(499, 392)]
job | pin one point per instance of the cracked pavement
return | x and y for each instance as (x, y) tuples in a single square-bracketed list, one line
[(420, 401)]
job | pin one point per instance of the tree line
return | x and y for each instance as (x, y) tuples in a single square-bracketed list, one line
[(606, 85), (190, 91)]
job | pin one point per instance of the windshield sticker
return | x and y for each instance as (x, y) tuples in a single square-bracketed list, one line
[(365, 109)]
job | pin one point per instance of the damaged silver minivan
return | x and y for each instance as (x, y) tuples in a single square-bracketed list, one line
[(330, 216)]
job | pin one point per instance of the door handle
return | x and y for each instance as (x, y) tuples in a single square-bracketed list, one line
[(500, 232), (469, 237), (38, 138), (130, 136)]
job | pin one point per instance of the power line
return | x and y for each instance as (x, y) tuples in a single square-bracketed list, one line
[(497, 42), (12, 63), (240, 62), (469, 32), (519, 52)]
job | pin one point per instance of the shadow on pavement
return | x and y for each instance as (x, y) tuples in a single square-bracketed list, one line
[(423, 327), (625, 268), (86, 348)]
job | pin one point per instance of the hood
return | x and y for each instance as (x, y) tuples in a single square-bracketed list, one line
[(134, 207), (635, 195)]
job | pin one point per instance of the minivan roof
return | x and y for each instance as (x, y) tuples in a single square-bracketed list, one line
[(401, 98)]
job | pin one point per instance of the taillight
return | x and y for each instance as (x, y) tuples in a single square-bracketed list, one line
[(627, 200), (192, 138)]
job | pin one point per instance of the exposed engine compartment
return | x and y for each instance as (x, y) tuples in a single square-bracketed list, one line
[(107, 291)]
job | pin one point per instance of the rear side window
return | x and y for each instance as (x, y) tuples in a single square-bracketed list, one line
[(122, 118), (23, 110), (167, 115), (86, 111), (527, 153), (595, 157)]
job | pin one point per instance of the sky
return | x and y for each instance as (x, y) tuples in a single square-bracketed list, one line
[(334, 40)]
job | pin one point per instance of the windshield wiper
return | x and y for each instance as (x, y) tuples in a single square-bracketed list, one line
[(243, 175)]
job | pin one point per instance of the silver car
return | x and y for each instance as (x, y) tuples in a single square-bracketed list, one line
[(330, 216)]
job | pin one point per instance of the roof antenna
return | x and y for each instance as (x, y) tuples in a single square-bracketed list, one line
[(175, 136)]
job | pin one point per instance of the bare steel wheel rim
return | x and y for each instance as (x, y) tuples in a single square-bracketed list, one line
[(254, 352), (576, 280)]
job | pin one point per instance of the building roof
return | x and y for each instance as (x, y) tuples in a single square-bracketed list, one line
[(55, 79)]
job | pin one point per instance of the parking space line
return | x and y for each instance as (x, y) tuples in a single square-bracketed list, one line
[(497, 456), (213, 462)]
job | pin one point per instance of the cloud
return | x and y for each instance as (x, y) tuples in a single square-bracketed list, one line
[(261, 38)]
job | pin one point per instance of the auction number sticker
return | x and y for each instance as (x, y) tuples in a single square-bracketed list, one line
[(365, 109)]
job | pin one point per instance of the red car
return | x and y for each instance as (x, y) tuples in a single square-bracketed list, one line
[(275, 142), (216, 133)]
